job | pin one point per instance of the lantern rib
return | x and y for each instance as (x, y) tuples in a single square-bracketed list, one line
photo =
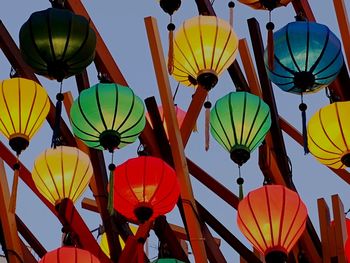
[(80, 183), (67, 38), (189, 45), (84, 116), (201, 41), (128, 182), (160, 207), (32, 130), (325, 132), (48, 20), (279, 75), (293, 88), (291, 225), (99, 107), (62, 174), (19, 106), (129, 113), (31, 109), (307, 46), (74, 173), (313, 67), (35, 45), (50, 173), (285, 84), (231, 119), (270, 219), (253, 122), (256, 222), (282, 215), (115, 106), (5, 132), (283, 66), (219, 137), (214, 45), (185, 57), (223, 129), (160, 182), (331, 63), (290, 49), (296, 235), (222, 54), (48, 190), (256, 134), (341, 127), (7, 108), (86, 133), (327, 77), (250, 233), (243, 117), (131, 127)]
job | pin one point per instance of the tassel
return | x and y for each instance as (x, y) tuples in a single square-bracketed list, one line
[(270, 45), (231, 5), (171, 28), (302, 108), (240, 182), (56, 140), (207, 106), (13, 198), (110, 205)]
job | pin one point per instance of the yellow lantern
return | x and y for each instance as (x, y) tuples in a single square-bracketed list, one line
[(62, 172), (204, 46), (104, 242), (24, 105), (329, 135)]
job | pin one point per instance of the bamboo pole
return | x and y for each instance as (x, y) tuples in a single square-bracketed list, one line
[(177, 148)]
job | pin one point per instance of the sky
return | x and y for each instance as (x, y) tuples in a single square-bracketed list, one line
[(121, 25)]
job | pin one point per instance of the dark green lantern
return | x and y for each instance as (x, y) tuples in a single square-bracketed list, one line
[(56, 43), (107, 116), (239, 122), (167, 260)]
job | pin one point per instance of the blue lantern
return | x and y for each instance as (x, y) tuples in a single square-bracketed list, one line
[(307, 57)]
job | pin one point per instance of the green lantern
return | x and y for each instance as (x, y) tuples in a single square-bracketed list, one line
[(167, 260), (239, 122), (107, 116), (57, 43)]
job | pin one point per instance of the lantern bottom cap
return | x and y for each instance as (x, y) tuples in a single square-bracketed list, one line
[(345, 159), (269, 4), (109, 140), (276, 256), (207, 78), (19, 143), (171, 6), (240, 156), (143, 213), (304, 81)]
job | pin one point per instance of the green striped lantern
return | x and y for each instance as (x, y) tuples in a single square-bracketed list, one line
[(107, 116), (167, 260), (239, 122)]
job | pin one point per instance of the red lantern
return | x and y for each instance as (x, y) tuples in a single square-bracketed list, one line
[(272, 218), (347, 243), (69, 255), (144, 188)]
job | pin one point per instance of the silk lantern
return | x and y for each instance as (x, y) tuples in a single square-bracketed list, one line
[(204, 46), (265, 4), (62, 172), (328, 135), (57, 43), (272, 218), (144, 188), (69, 255)]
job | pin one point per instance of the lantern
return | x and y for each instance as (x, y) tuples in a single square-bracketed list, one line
[(328, 135), (57, 43), (167, 260), (180, 116), (265, 4), (69, 255), (62, 172), (24, 105), (239, 122), (307, 57), (204, 46), (144, 188), (107, 116), (272, 218), (347, 243)]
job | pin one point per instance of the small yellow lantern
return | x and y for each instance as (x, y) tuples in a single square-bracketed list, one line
[(24, 105), (204, 46), (62, 172), (329, 135)]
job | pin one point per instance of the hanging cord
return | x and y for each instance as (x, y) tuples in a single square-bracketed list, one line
[(176, 90), (13, 73), (240, 182), (111, 168), (231, 5), (270, 43), (171, 28), (302, 108), (347, 212), (13, 198), (56, 137), (329, 96), (207, 106)]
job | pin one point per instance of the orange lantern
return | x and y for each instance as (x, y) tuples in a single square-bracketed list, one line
[(272, 218), (69, 255), (144, 188)]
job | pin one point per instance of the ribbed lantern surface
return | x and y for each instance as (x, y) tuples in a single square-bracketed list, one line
[(329, 135), (62, 172), (69, 255), (144, 188), (265, 4)]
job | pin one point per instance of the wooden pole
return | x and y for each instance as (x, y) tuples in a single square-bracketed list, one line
[(177, 148), (340, 232)]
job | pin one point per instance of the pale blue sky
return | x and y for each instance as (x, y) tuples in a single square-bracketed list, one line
[(122, 27)]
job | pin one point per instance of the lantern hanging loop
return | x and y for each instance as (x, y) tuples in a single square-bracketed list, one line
[(57, 3), (56, 136), (170, 6)]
